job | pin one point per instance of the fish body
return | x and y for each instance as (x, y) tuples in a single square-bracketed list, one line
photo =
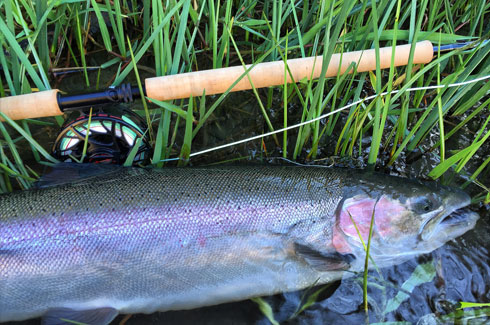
[(145, 240)]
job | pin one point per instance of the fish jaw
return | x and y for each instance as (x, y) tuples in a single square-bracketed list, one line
[(453, 201), (453, 221)]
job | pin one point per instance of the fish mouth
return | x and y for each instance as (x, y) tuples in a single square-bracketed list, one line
[(462, 217), (450, 225)]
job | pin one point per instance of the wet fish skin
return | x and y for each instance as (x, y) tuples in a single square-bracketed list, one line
[(142, 240)]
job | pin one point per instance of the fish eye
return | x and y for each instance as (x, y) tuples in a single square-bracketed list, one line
[(423, 205)]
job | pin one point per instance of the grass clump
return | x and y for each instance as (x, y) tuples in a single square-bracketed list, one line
[(178, 36)]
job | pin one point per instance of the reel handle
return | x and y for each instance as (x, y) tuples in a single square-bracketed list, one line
[(40, 104), (52, 103)]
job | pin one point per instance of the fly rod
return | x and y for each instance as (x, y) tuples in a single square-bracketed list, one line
[(217, 81)]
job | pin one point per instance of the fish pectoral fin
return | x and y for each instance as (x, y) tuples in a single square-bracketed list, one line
[(328, 261), (59, 316)]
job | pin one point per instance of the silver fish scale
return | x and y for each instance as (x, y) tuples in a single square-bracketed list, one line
[(145, 240)]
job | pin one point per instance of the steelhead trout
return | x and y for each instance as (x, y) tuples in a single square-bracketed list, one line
[(143, 240)]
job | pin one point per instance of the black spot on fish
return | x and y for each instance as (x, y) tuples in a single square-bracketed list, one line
[(7, 251)]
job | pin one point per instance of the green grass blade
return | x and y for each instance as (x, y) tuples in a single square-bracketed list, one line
[(186, 146), (15, 47), (179, 44), (142, 93), (142, 50), (102, 25)]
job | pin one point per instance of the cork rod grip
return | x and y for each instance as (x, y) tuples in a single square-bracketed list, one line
[(40, 104), (272, 73)]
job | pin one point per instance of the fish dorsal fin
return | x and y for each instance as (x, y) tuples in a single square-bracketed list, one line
[(328, 261), (72, 173), (64, 316)]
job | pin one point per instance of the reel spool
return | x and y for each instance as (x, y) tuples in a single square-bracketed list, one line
[(112, 136)]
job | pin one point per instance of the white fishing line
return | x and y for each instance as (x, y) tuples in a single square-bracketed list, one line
[(231, 144)]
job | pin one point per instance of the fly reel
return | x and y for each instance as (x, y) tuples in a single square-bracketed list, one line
[(112, 137)]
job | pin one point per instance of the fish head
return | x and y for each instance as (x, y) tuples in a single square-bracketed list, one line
[(409, 218)]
